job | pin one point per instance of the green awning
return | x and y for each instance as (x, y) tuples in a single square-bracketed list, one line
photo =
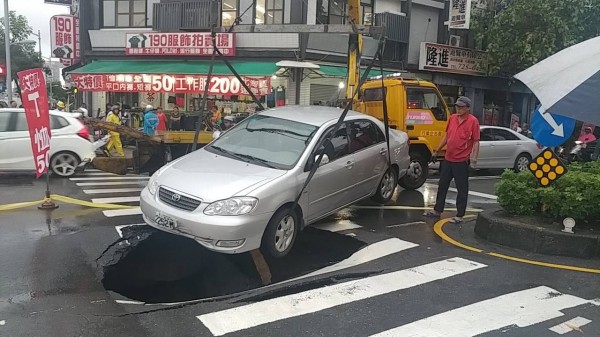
[(176, 67), (334, 71)]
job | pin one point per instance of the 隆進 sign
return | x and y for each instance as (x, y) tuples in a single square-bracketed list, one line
[(444, 58)]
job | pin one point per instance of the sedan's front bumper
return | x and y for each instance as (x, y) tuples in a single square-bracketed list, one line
[(207, 230)]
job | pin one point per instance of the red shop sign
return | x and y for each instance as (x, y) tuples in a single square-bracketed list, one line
[(196, 44), (35, 102), (181, 84)]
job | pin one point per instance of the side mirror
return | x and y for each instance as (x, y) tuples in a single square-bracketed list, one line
[(216, 134), (324, 160)]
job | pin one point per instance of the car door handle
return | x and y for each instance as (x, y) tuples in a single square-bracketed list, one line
[(383, 152), (349, 165)]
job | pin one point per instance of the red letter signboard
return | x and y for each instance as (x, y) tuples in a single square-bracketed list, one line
[(35, 102)]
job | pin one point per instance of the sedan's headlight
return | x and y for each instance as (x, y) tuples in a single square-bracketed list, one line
[(232, 206), (153, 183)]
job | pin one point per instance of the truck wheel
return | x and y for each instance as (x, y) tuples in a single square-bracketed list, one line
[(417, 172)]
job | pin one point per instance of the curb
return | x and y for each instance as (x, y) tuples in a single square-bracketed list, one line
[(498, 227)]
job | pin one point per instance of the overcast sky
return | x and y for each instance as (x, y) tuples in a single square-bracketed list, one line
[(39, 15)]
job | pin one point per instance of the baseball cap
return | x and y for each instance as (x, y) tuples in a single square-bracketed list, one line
[(463, 101), (149, 107), (229, 118)]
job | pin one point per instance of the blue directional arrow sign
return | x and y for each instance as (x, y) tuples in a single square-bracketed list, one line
[(551, 130)]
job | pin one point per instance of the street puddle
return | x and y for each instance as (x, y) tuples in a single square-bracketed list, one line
[(164, 268)]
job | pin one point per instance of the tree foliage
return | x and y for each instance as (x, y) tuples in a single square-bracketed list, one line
[(23, 55), (520, 33)]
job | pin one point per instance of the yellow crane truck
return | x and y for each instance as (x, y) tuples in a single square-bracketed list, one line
[(415, 107)]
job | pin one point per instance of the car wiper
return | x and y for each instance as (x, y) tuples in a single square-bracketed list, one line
[(278, 131), (256, 159), (230, 153)]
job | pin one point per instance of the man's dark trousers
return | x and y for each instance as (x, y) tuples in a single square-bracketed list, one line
[(460, 172)]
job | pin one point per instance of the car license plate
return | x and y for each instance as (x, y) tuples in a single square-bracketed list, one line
[(165, 220)]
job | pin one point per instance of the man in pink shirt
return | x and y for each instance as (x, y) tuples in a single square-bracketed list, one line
[(462, 138)]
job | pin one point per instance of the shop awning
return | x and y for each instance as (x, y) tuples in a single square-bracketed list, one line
[(176, 67)]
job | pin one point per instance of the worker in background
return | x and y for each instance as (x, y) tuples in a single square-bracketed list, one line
[(84, 110), (162, 120), (60, 106), (115, 137), (150, 121), (228, 123), (215, 115)]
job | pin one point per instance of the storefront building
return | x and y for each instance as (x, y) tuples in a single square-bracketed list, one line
[(139, 52)]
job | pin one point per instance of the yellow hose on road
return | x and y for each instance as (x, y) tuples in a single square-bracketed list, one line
[(68, 200)]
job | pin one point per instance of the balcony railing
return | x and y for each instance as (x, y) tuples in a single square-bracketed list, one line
[(396, 26), (185, 15)]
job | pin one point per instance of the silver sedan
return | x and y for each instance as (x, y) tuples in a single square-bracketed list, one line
[(236, 194), (502, 148)]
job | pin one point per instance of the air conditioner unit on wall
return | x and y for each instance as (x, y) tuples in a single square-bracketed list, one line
[(454, 41)]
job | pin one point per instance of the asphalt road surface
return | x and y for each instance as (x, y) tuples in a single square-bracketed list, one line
[(367, 271)]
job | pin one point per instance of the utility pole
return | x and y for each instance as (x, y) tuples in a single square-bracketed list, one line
[(7, 47)]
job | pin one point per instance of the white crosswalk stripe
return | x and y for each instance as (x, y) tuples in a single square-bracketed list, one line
[(518, 309), (112, 190), (117, 189), (121, 212), (311, 301), (521, 308), (114, 183)]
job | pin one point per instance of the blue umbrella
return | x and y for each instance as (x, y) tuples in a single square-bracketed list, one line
[(568, 82)]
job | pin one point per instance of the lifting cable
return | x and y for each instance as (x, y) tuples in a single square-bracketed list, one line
[(328, 137), (210, 73)]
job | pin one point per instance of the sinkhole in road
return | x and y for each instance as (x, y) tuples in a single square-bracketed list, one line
[(165, 268)]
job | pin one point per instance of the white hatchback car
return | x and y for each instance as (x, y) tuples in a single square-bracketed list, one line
[(70, 146), (502, 148)]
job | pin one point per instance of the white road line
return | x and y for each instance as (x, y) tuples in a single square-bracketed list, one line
[(96, 174), (367, 254), (113, 183), (337, 226), (570, 325), (119, 229), (477, 194), (521, 308), (311, 301), (122, 212), (112, 190), (128, 302), (111, 178), (407, 224), (116, 200)]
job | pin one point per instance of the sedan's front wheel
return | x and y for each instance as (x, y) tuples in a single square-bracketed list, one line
[(281, 233)]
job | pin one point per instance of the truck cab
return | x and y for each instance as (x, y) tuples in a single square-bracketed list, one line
[(415, 107)]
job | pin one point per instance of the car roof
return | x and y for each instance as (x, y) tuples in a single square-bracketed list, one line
[(52, 112), (314, 114)]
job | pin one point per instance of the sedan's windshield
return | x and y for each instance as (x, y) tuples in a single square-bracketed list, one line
[(267, 141)]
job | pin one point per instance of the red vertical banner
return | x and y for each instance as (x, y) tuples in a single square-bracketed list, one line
[(35, 101)]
